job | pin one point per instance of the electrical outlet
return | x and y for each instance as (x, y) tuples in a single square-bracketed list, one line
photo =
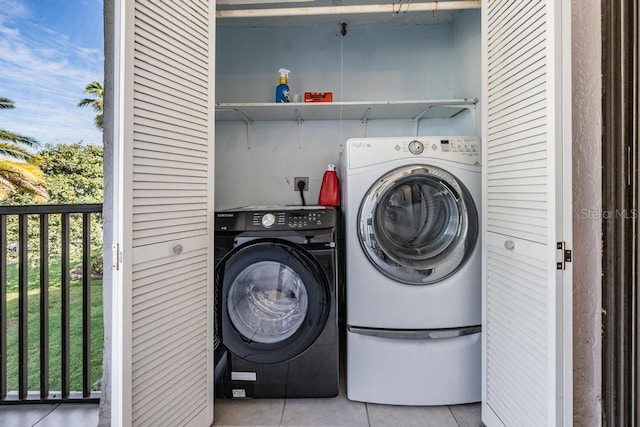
[(304, 179)]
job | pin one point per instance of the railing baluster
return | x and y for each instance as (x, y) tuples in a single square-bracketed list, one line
[(23, 306), (19, 215), (3, 307), (44, 306), (86, 305), (66, 302)]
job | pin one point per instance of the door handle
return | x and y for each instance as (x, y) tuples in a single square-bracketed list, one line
[(509, 245)]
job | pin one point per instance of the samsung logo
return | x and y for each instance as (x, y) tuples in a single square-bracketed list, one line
[(225, 215)]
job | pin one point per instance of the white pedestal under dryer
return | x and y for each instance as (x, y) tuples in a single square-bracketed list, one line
[(276, 280), (413, 272)]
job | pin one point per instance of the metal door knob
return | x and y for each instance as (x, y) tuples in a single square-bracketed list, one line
[(509, 245)]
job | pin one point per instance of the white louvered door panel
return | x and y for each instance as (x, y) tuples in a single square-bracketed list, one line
[(526, 300), (167, 205)]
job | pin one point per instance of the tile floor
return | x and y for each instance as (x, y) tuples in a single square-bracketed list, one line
[(338, 411), (45, 415)]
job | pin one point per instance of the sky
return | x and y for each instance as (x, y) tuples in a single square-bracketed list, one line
[(49, 51)]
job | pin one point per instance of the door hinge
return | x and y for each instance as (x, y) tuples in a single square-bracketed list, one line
[(116, 256), (563, 255)]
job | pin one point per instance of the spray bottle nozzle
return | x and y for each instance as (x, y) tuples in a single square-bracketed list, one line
[(284, 75)]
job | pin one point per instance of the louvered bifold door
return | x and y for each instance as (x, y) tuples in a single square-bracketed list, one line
[(526, 214), (167, 209)]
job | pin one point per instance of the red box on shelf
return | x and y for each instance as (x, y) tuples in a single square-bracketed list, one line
[(318, 96)]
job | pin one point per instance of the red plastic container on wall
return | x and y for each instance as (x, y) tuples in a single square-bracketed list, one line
[(330, 188)]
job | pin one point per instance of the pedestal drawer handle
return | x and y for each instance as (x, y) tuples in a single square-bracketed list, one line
[(509, 245), (177, 249)]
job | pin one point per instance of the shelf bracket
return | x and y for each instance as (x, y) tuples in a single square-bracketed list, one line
[(299, 121), (417, 118), (248, 122), (365, 121), (472, 110)]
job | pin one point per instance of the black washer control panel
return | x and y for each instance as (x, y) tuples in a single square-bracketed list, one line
[(275, 219)]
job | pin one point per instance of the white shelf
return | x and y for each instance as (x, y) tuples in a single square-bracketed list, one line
[(364, 111)]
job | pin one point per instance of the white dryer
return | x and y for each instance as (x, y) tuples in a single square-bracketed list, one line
[(413, 287)]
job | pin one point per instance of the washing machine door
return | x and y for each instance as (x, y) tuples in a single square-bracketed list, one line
[(418, 224), (275, 301)]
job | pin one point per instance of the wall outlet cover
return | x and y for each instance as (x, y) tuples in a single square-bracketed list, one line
[(297, 179)]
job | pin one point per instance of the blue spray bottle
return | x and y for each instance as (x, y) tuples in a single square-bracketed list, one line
[(282, 90)]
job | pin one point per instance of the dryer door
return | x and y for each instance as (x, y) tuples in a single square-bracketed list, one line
[(418, 224), (275, 301)]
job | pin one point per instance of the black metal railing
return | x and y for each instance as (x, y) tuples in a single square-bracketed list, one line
[(49, 255)]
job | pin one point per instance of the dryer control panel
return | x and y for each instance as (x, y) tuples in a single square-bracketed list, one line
[(462, 145), (468, 145), (364, 152)]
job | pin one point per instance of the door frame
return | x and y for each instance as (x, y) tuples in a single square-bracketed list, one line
[(620, 299)]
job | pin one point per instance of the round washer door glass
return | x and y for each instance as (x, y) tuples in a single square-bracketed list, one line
[(275, 301), (418, 224), (267, 302)]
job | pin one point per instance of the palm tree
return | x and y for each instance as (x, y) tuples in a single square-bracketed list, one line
[(19, 167), (95, 89)]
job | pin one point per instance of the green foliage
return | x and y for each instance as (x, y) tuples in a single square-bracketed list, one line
[(96, 90), (73, 174), (19, 166), (55, 310)]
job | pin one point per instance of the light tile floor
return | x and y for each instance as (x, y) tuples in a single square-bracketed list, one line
[(45, 415), (340, 411), (334, 412)]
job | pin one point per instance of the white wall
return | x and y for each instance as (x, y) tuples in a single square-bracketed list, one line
[(370, 63), (467, 59), (587, 199)]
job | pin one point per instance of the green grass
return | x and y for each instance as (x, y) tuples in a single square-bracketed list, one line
[(75, 328)]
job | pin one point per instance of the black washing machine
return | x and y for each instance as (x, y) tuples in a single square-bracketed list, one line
[(276, 302)]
